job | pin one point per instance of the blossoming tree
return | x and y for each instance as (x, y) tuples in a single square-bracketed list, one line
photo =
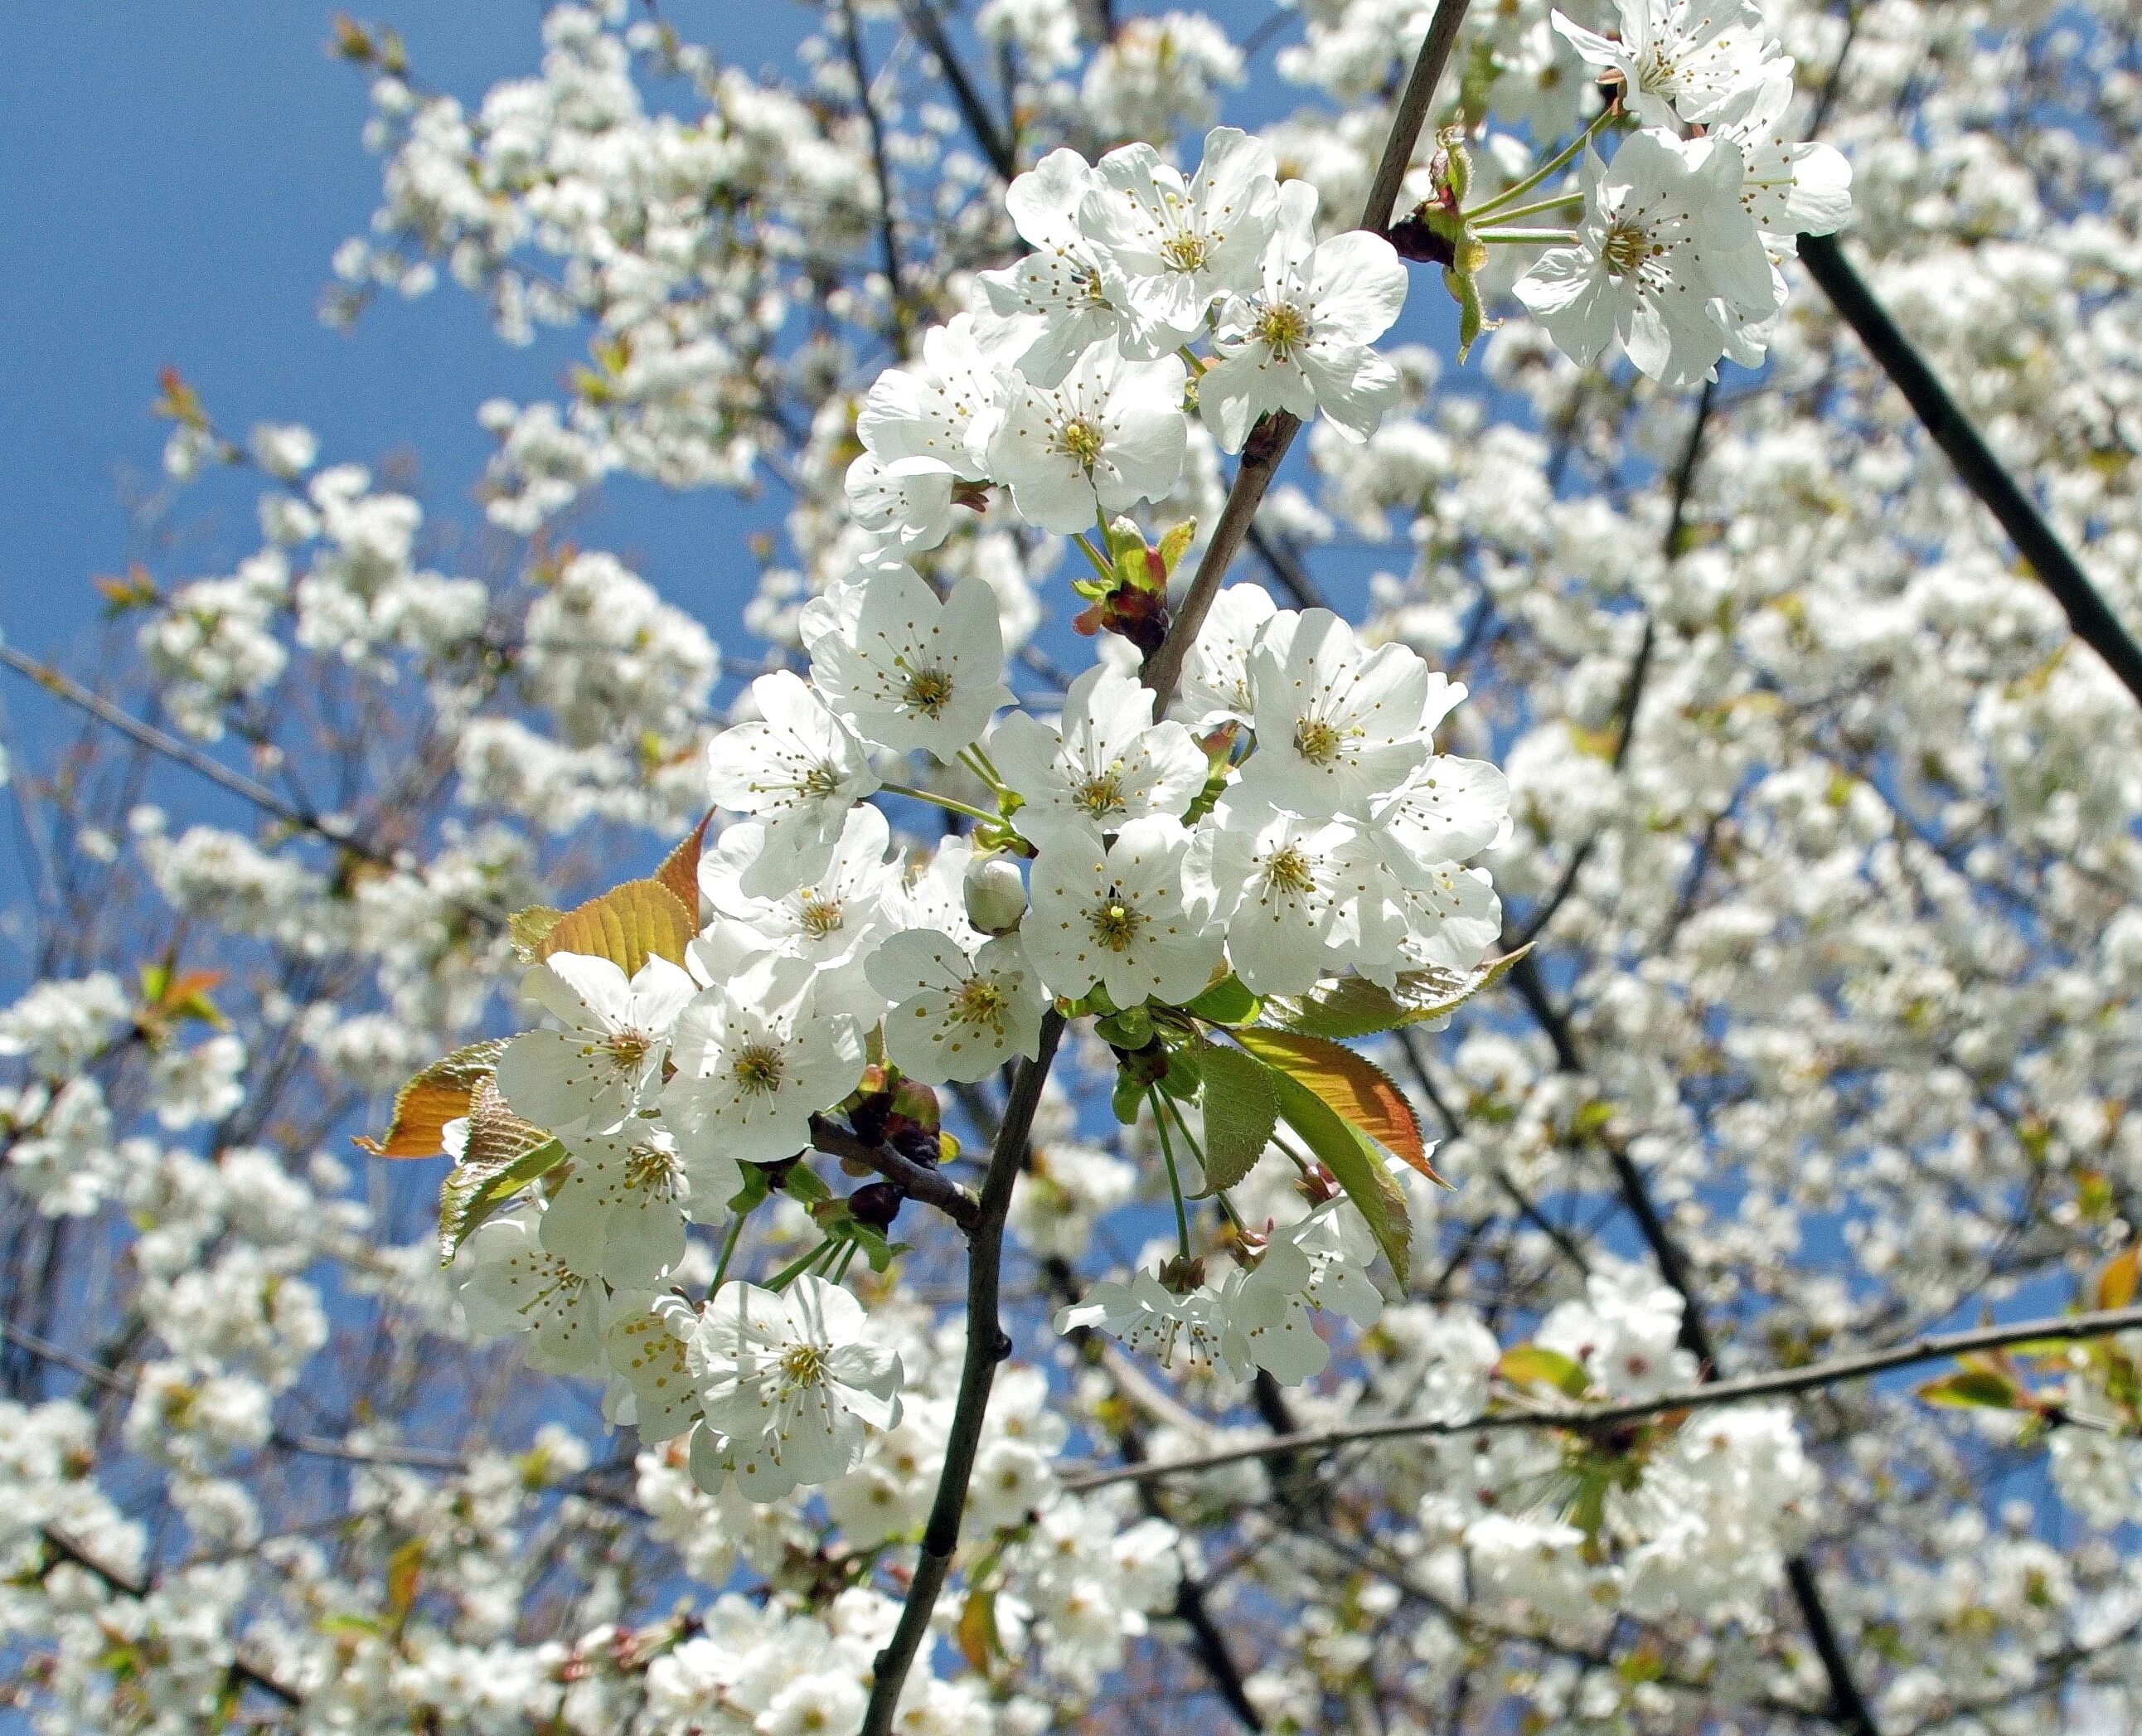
[(1083, 1139)]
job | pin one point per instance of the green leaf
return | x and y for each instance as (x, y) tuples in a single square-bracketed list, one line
[(628, 924), (1227, 1002), (1343, 1150), (504, 1155), (1975, 1386), (1528, 1365), (1356, 1007), (1241, 1108), (439, 1094), (1177, 538), (1357, 1088)]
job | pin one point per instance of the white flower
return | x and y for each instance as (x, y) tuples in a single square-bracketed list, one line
[(957, 1017), (600, 1068), (1323, 1262), (757, 1056), (1178, 245), (649, 1345), (509, 1283), (907, 503), (1424, 914), (1666, 261), (1337, 726), (1110, 435), (1215, 688), (947, 410), (1682, 59), (617, 1214), (1787, 188), (916, 671), (1448, 809), (1282, 889), (1300, 342), (936, 898), (1149, 1317), (1116, 916), (1067, 292), (800, 771), (833, 923), (1106, 764), (792, 1380)]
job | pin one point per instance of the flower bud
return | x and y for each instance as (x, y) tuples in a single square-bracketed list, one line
[(995, 894), (877, 1204)]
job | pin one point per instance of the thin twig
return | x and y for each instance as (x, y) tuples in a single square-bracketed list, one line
[(923, 20), (1934, 1346), (1977, 468)]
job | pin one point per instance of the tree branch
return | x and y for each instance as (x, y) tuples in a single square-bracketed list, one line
[(923, 20), (1933, 1347), (1977, 468), (987, 1345), (1268, 442), (917, 1180)]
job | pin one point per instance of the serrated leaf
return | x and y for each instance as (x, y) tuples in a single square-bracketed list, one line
[(680, 868), (1176, 542), (1241, 1108), (1524, 1365), (504, 1154), (1356, 1088), (2116, 1283), (439, 1094), (628, 924), (1226, 1002), (1345, 1150), (528, 929), (1354, 1007), (1978, 1387)]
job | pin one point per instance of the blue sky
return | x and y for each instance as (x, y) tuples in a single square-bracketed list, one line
[(174, 180)]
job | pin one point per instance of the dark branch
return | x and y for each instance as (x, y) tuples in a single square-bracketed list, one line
[(1979, 470), (917, 1180)]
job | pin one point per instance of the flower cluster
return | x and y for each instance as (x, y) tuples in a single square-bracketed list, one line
[(1678, 255), (1067, 385)]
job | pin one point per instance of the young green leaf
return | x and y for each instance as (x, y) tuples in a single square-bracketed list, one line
[(1535, 1365), (1975, 1386), (1356, 1007), (1345, 1150), (1241, 1108), (503, 1156)]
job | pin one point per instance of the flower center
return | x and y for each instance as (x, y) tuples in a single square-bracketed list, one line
[(648, 1168), (629, 1049), (821, 915), (1287, 870), (1281, 326), (1100, 794), (1082, 440), (1116, 924), (758, 1068), (1316, 741), (822, 780), (929, 690), (1186, 252), (979, 1002), (803, 1364), (1627, 247)]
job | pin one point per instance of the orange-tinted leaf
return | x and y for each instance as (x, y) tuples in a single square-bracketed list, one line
[(2116, 1283), (680, 869), (628, 924), (977, 1631), (1359, 1091), (439, 1094), (1345, 1150)]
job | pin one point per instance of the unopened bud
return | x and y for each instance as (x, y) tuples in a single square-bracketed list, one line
[(995, 894), (1183, 1273), (876, 1205)]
